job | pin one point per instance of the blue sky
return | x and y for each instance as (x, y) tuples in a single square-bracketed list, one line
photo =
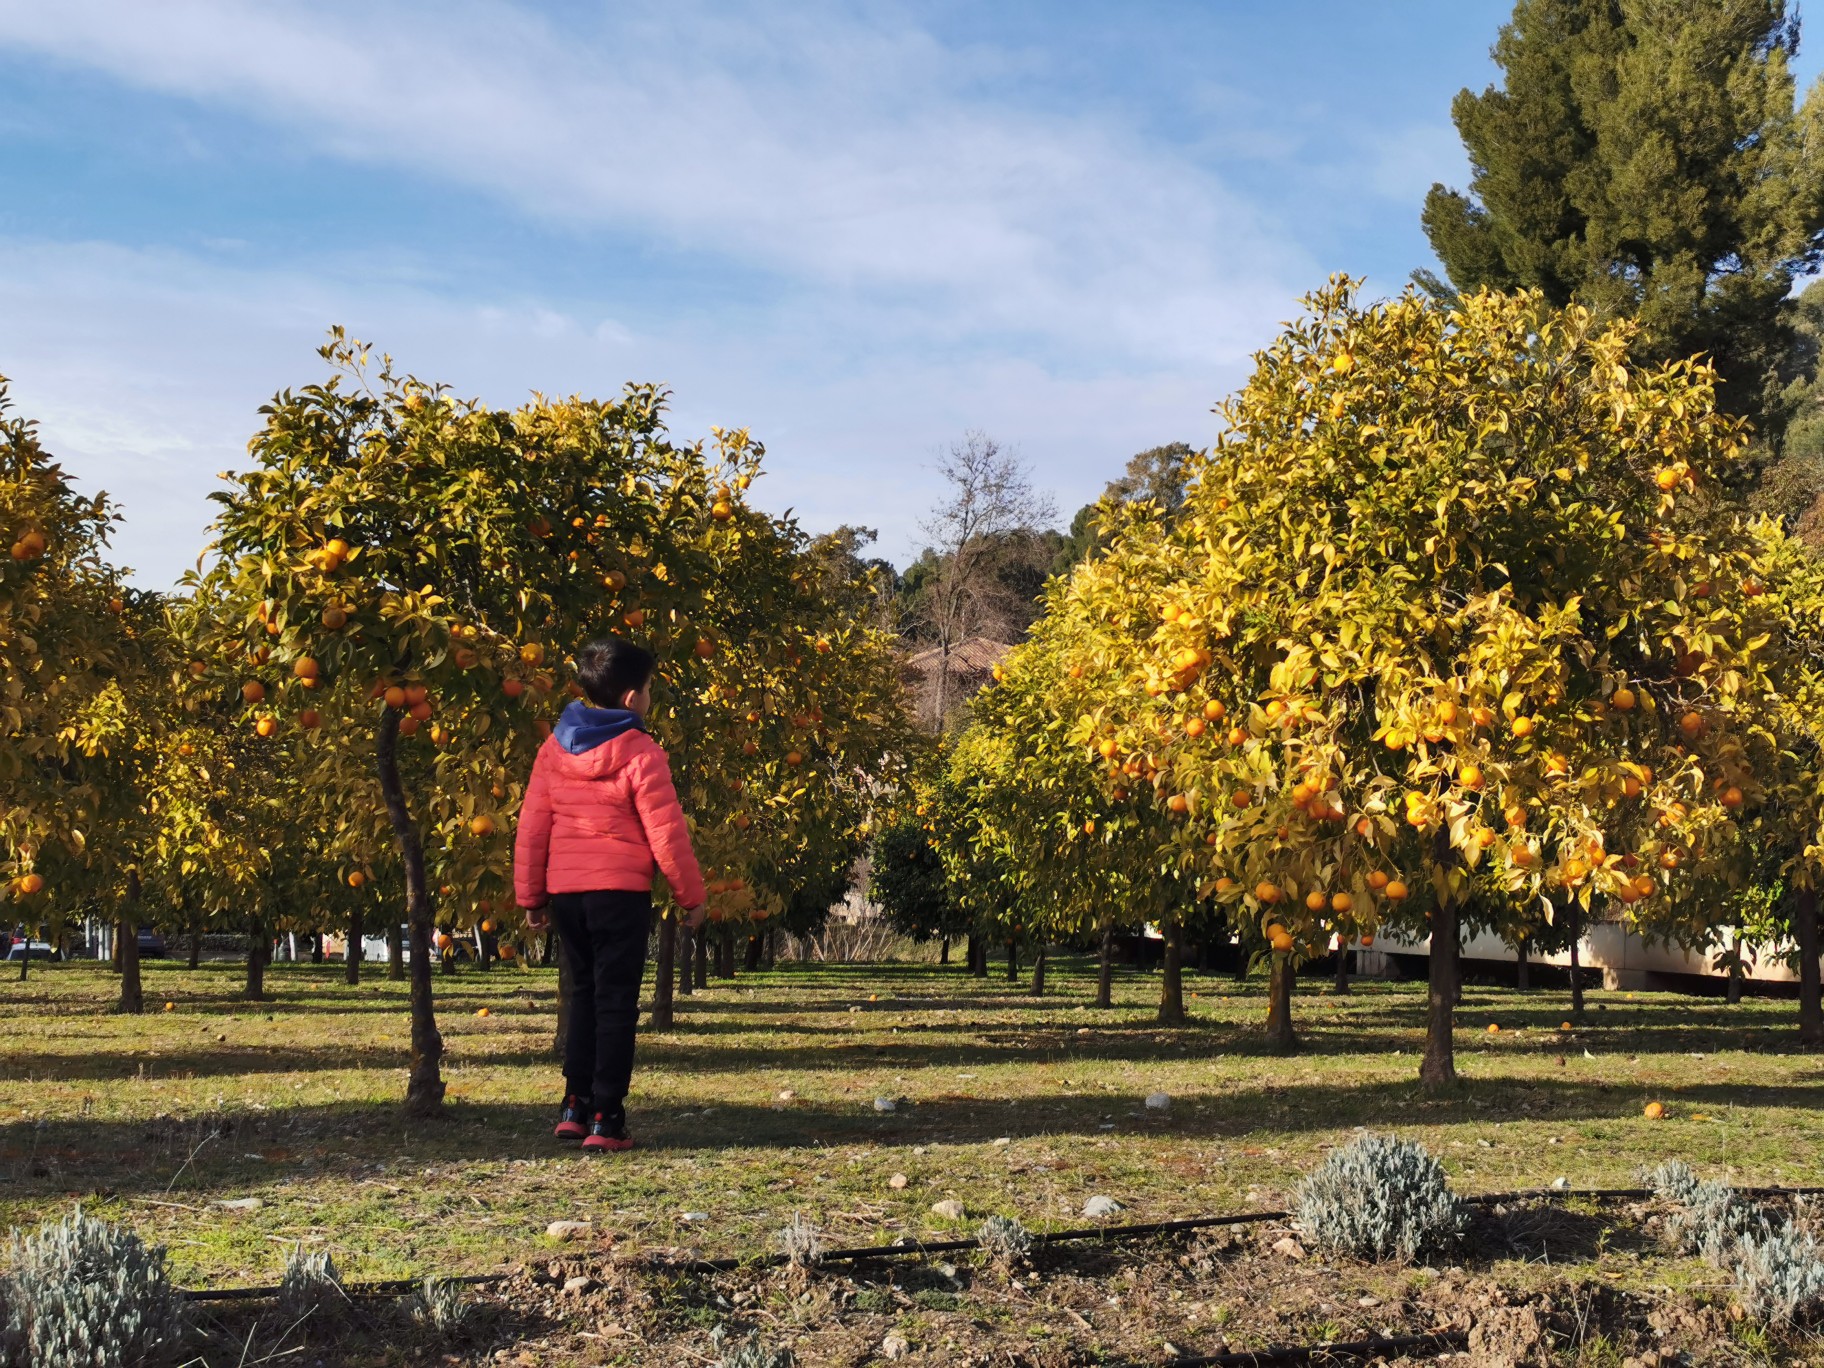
[(858, 229)]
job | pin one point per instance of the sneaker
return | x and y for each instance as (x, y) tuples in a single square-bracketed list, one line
[(573, 1120), (607, 1131)]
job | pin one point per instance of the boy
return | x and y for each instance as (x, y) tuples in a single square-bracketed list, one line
[(600, 813)]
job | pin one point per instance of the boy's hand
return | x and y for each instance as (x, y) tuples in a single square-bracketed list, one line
[(696, 916), (537, 918)]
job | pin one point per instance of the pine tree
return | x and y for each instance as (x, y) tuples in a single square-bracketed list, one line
[(1646, 158)]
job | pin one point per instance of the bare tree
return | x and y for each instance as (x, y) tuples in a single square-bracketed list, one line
[(990, 514)]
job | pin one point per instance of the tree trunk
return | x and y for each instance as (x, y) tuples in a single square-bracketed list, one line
[(565, 994), (753, 953), (1734, 995), (1105, 968), (1342, 963), (119, 952), (259, 951), (1523, 967), (1576, 934), (1280, 1035), (1805, 929), (484, 949), (687, 960), (316, 947), (351, 959), (1171, 976), (395, 953), (700, 964), (1439, 1068), (196, 947), (943, 950), (725, 952), (772, 947), (1038, 972), (663, 1001), (424, 1085), (132, 995), (978, 956)]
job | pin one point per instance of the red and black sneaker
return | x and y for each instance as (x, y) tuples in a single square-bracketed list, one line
[(573, 1120), (608, 1131)]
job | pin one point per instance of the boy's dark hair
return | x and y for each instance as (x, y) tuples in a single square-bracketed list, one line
[(609, 669)]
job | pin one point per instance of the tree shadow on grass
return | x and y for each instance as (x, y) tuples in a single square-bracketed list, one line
[(57, 1158)]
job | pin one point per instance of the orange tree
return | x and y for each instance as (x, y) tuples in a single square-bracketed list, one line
[(1076, 844), (1462, 585), (403, 575), (77, 650)]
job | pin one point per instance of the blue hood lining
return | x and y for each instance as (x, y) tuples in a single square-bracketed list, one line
[(583, 728)]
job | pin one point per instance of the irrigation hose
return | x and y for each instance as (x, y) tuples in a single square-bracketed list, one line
[(401, 1287)]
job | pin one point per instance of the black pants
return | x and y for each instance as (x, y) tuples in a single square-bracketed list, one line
[(602, 938)]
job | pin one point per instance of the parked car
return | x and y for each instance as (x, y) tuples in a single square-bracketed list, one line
[(38, 950), (151, 944)]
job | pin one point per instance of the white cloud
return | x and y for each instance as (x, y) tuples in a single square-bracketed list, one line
[(146, 370), (833, 148)]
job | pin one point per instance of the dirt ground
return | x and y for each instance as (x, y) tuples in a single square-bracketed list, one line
[(1540, 1282)]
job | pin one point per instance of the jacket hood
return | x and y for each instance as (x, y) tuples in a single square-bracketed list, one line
[(582, 728)]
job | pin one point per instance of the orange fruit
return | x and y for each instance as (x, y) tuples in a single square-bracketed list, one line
[(395, 697), (309, 719), (306, 668), (1622, 700), (253, 691), (1178, 803), (1282, 943), (1732, 797), (1523, 726), (416, 694), (721, 510), (356, 878), (1315, 901), (408, 725), (1654, 1111), (1237, 736), (1692, 725), (1342, 903), (513, 688), (1482, 716), (421, 710), (266, 726), (481, 825), (1667, 478), (32, 883), (1241, 798), (1214, 710), (1397, 890), (1194, 728), (1377, 880), (1268, 893), (481, 1011), (1470, 776), (634, 617), (1494, 1028)]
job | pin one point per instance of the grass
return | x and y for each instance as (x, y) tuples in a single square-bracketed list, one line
[(1011, 1104)]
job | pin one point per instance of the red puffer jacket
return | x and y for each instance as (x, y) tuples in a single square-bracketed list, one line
[(600, 812)]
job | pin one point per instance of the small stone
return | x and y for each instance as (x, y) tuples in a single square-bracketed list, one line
[(570, 1230), (1561, 1184), (1365, 1302), (894, 1346), (898, 1182), (241, 1204), (1082, 1030), (1158, 1101), (786, 1094), (694, 1216), (885, 1104), (1288, 1246), (1003, 1141), (1099, 1206), (950, 1209), (578, 1284)]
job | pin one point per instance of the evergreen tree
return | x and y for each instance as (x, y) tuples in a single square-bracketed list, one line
[(1645, 157)]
